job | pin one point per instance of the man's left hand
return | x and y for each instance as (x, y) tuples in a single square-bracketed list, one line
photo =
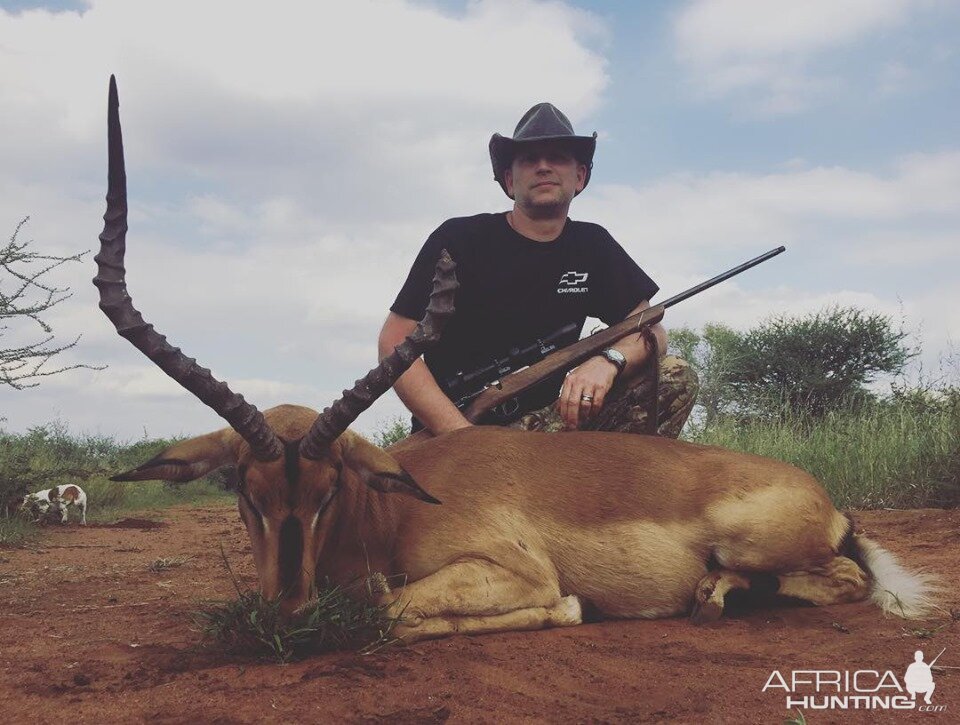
[(584, 390)]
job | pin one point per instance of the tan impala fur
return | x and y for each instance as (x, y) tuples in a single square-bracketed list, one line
[(637, 526)]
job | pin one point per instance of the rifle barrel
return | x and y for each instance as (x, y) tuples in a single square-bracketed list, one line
[(721, 277)]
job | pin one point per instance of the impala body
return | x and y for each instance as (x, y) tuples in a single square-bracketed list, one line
[(495, 529)]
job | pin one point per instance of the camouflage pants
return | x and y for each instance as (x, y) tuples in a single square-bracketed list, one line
[(626, 407)]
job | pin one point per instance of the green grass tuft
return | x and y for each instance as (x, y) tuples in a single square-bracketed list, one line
[(16, 531), (252, 626)]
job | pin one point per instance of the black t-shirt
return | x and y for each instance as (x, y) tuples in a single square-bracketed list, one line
[(514, 291)]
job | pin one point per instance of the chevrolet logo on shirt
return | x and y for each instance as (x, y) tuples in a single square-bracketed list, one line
[(570, 282)]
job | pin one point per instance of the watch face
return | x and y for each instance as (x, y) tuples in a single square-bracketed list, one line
[(616, 357)]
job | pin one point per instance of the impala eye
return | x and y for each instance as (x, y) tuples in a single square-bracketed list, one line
[(324, 503), (246, 499)]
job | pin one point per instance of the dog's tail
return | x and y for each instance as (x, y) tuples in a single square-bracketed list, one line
[(894, 588)]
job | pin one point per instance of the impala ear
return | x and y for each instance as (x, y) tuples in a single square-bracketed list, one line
[(377, 468), (188, 459)]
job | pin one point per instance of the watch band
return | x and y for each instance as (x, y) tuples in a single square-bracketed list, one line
[(616, 357)]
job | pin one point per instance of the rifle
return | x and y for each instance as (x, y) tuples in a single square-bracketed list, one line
[(464, 387), (516, 381)]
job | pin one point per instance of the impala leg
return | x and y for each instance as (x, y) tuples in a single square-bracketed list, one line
[(710, 592), (474, 596), (567, 612), (839, 581)]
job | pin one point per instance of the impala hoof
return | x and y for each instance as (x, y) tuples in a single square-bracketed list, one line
[(705, 612)]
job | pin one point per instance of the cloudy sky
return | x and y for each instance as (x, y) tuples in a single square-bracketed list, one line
[(286, 160)]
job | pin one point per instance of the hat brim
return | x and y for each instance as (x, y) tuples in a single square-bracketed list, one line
[(503, 149)]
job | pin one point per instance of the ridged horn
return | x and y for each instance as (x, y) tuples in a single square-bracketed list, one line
[(334, 420), (118, 306)]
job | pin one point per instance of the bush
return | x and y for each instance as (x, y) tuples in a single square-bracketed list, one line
[(805, 366), (817, 363)]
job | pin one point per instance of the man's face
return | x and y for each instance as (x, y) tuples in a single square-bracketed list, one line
[(544, 177)]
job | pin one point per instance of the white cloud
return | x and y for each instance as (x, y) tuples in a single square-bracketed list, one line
[(734, 210), (766, 49), (712, 30)]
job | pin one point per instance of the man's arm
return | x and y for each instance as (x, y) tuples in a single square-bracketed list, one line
[(417, 387), (595, 377)]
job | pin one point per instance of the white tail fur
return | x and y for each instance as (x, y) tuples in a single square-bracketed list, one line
[(895, 590)]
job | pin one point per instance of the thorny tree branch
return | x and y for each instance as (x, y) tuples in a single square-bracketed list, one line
[(23, 294)]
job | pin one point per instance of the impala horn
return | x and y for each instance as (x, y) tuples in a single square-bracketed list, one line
[(334, 420), (116, 303)]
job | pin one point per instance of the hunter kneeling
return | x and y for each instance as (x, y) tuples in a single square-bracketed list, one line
[(529, 278)]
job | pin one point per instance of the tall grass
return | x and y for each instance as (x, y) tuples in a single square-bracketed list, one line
[(899, 453)]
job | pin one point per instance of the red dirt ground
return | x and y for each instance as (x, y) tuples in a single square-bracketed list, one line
[(89, 633)]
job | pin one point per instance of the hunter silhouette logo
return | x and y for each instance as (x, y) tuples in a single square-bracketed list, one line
[(919, 677), (571, 281)]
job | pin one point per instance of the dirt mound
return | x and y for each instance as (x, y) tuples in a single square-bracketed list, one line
[(87, 628)]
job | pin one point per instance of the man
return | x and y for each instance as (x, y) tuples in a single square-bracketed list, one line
[(525, 274)]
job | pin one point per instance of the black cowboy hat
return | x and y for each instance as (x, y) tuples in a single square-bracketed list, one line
[(543, 122)]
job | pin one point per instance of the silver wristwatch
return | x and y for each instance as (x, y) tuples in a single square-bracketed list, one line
[(616, 357)]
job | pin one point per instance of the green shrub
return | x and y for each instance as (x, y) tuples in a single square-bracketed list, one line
[(806, 365), (391, 432)]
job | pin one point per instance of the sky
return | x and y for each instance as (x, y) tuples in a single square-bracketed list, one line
[(287, 160)]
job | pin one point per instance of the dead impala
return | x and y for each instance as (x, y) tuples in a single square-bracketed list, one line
[(531, 524)]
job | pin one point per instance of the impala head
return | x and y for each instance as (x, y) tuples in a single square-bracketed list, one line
[(294, 464)]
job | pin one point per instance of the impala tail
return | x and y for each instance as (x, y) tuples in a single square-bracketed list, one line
[(894, 588)]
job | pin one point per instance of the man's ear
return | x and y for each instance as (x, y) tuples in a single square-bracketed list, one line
[(376, 468), (508, 181), (581, 176), (188, 459)]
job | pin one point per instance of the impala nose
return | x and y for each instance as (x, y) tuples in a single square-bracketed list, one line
[(291, 558)]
